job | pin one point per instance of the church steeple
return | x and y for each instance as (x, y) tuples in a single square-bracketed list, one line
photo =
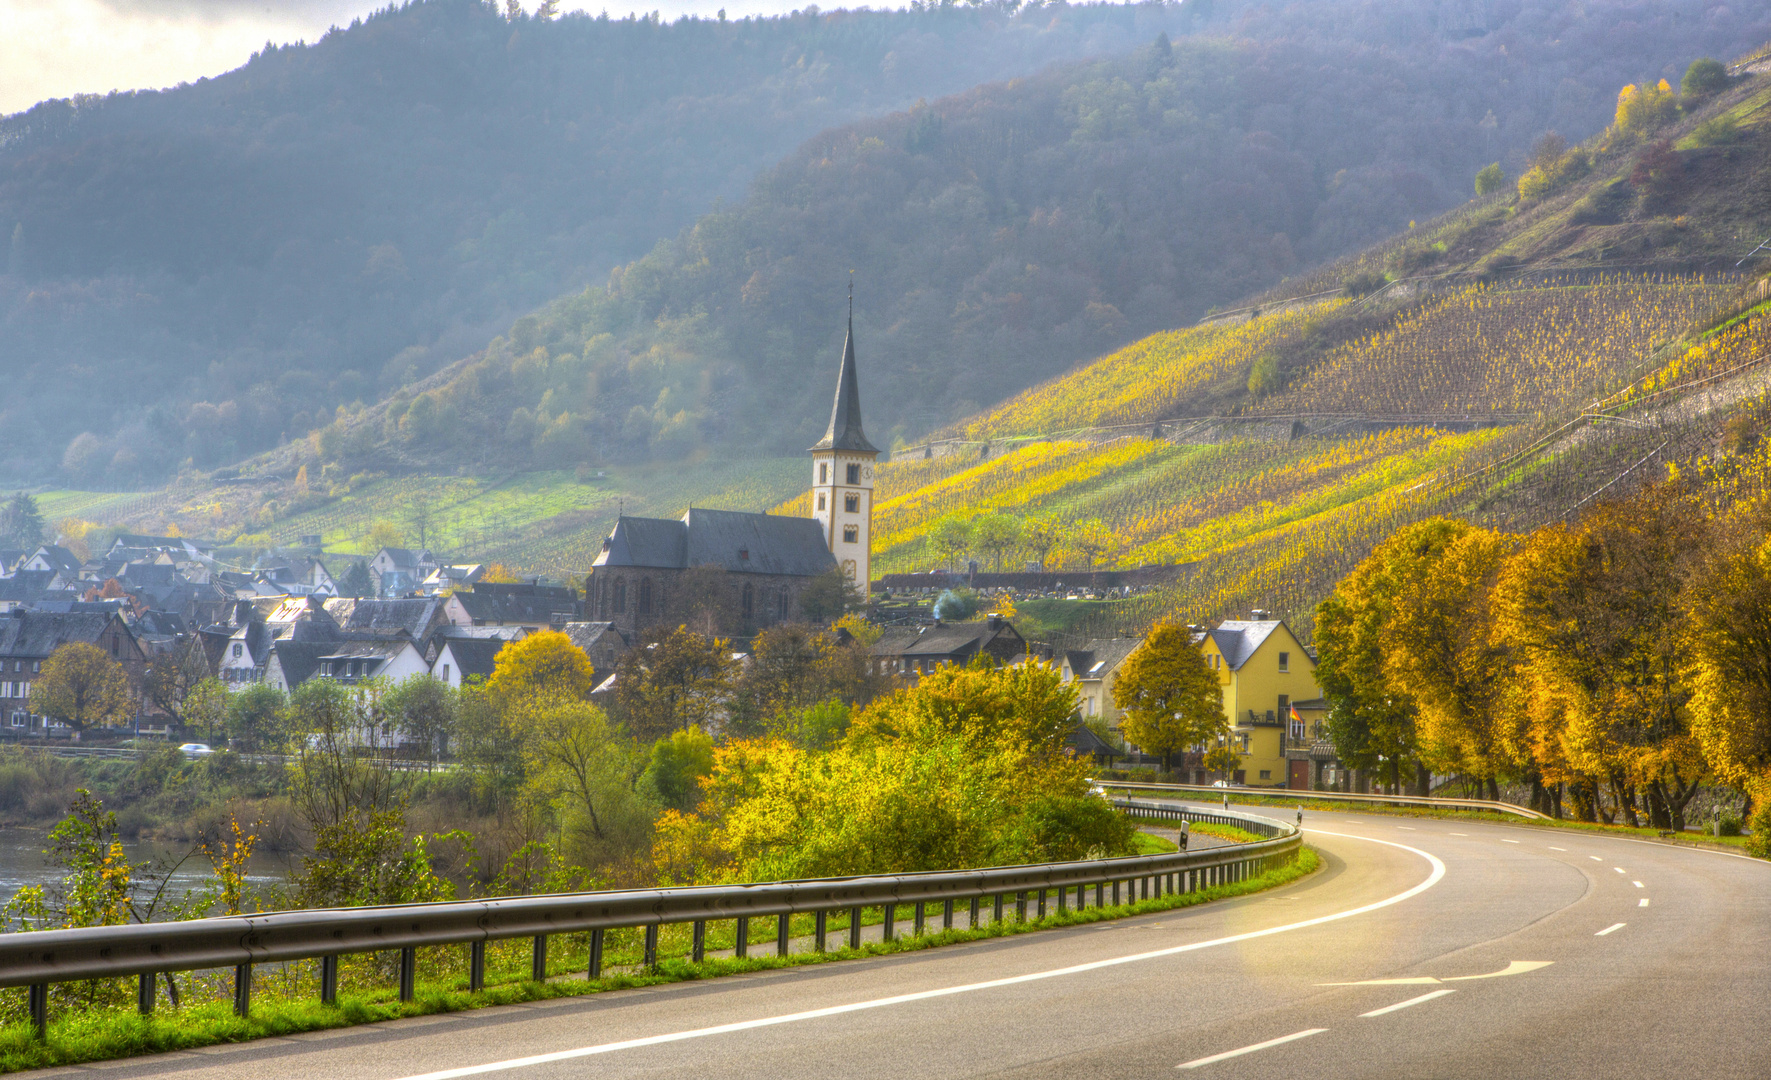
[(845, 416)]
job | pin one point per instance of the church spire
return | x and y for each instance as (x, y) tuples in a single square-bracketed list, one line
[(845, 416)]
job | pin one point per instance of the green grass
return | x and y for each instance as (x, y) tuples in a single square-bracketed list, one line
[(1145, 844), (111, 1034)]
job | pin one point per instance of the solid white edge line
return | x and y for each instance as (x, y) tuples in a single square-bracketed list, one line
[(1432, 879), (1226, 1055), (1609, 929), (1406, 1004)]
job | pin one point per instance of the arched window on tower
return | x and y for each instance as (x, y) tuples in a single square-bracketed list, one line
[(645, 606)]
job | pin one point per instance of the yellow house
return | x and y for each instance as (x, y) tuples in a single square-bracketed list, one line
[(1263, 669)]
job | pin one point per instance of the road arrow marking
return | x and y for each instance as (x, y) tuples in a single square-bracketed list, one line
[(1516, 967)]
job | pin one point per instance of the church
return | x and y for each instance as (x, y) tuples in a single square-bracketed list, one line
[(641, 580)]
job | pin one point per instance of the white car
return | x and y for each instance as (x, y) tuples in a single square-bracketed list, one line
[(194, 750)]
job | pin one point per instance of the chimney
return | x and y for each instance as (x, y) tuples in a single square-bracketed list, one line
[(995, 621)]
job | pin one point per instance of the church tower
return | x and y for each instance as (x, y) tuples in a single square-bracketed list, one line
[(842, 474)]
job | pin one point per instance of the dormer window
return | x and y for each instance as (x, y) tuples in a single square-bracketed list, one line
[(743, 554)]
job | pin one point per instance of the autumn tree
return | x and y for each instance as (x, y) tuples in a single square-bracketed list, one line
[(589, 771), (1039, 535), (950, 538), (424, 708), (543, 665), (1169, 698), (679, 681), (256, 718), (830, 596), (1703, 78), (1729, 603), (995, 535), (794, 667), (82, 687)]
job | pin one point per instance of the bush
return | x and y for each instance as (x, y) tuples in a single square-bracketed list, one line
[(1364, 283), (1704, 77), (1728, 825), (1716, 131), (1760, 842), (1490, 179)]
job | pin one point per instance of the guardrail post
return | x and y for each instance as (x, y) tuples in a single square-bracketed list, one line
[(144, 993), (947, 914), (975, 912), (39, 1005), (596, 954), (242, 989), (891, 921), (920, 917), (1063, 893), (855, 928), (743, 943), (1116, 894), (538, 959), (651, 960), (476, 969), (699, 949), (1041, 904), (408, 973), (783, 927), (997, 915), (1021, 906), (819, 925)]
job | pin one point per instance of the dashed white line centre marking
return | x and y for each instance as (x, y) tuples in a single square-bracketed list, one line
[(1460, 834), (1406, 1004), (1506, 841), (1619, 869), (1643, 902), (1555, 848), (1609, 929), (1637, 884), (1228, 1054), (1407, 828), (1595, 858)]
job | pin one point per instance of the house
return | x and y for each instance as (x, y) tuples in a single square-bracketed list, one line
[(400, 571), (467, 652), (528, 604), (444, 578), (1262, 668), (27, 638), (299, 575), (55, 558), (9, 560), (916, 651), (418, 618), (27, 588), (1092, 669), (603, 642), (1311, 760)]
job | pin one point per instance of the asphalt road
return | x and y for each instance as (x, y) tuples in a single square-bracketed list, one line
[(1626, 959)]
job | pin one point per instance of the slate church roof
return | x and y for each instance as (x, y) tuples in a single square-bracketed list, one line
[(737, 542), (845, 416)]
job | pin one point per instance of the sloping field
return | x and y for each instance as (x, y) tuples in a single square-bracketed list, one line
[(1485, 350)]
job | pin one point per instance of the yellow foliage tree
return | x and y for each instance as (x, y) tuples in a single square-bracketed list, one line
[(1730, 605), (1641, 109), (1170, 699), (83, 688), (544, 666)]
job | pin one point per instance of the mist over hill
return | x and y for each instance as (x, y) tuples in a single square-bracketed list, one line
[(199, 272)]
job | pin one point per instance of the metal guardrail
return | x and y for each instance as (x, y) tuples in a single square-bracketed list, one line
[(36, 959), (1333, 796)]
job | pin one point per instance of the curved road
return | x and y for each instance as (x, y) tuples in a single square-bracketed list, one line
[(1627, 959)]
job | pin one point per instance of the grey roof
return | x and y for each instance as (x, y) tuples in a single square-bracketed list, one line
[(1238, 639), (946, 641), (58, 557), (161, 623), (845, 415), (26, 586), (299, 659), (1105, 653), (590, 635), (416, 617), (147, 573), (518, 602), (475, 656), (740, 542), (38, 633)]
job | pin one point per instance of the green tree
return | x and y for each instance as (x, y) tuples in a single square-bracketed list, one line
[(425, 710), (830, 596), (677, 765), (1169, 697), (1490, 179), (356, 580), (82, 687), (1040, 535), (995, 535), (950, 538), (258, 720), (1703, 78), (589, 771), (681, 681), (206, 708), (1223, 760), (21, 523), (1729, 601)]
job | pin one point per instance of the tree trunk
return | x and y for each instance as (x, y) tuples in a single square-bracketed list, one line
[(1658, 814), (1493, 790), (1395, 777), (1540, 799), (1423, 780), (1558, 803)]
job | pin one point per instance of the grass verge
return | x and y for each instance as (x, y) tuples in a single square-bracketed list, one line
[(106, 1035)]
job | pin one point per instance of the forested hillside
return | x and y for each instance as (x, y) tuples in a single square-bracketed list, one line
[(201, 271), (1005, 234)]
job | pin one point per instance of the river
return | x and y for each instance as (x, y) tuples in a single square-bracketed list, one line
[(22, 863)]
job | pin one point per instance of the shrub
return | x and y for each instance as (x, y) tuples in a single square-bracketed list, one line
[(1760, 842), (1364, 283), (1704, 77), (1641, 109), (1490, 179), (1716, 131)]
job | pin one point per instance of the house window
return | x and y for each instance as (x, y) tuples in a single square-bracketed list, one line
[(823, 472), (749, 602), (645, 605), (620, 597), (36, 666), (18, 719), (852, 503), (5, 689), (445, 672), (781, 603), (820, 501), (1284, 662), (1284, 706), (851, 534), (238, 649), (1245, 742), (1266, 774)]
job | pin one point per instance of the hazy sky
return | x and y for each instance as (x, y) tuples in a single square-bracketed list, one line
[(58, 48)]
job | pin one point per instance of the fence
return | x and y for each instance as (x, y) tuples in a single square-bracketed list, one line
[(1331, 796), (37, 959)]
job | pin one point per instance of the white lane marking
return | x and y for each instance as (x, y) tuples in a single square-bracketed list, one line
[(1460, 834), (1406, 1004), (1506, 841), (1643, 902), (1595, 858), (1637, 884), (1226, 1055), (1407, 828), (1619, 869), (1432, 879), (1514, 967), (1555, 848), (1609, 929)]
